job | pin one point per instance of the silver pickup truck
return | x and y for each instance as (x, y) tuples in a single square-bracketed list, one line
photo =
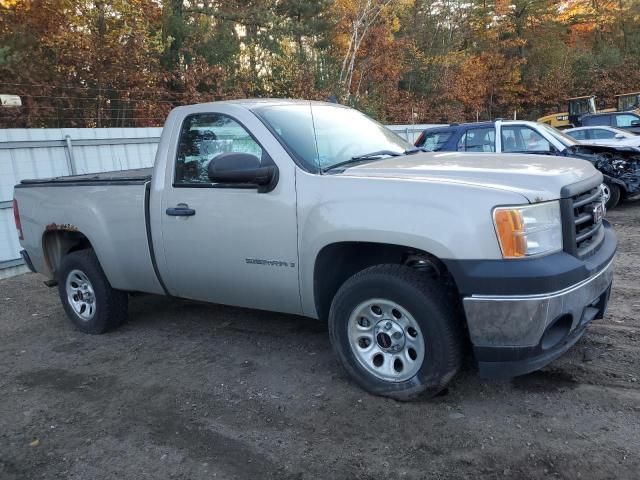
[(314, 209)]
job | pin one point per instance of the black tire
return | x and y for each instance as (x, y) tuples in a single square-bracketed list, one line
[(614, 196), (110, 305), (432, 307)]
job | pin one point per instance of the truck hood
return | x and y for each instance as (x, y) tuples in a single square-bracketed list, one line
[(537, 177)]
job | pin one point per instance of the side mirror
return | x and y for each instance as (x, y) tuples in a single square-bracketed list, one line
[(619, 136), (635, 123), (234, 168)]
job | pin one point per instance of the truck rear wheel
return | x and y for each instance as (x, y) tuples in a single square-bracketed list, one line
[(90, 302), (396, 332)]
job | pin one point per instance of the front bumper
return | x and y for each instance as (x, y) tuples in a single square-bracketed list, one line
[(514, 333), (551, 323)]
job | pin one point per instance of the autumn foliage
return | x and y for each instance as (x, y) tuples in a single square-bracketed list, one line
[(128, 62)]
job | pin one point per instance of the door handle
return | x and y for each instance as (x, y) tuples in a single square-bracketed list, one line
[(181, 210)]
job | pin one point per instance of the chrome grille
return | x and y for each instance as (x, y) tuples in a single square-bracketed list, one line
[(588, 212)]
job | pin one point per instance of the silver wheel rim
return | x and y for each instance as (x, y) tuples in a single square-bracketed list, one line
[(80, 295), (606, 193), (386, 340)]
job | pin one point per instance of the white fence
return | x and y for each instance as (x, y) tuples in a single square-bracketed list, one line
[(42, 153)]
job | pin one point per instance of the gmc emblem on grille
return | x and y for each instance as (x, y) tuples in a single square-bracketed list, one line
[(598, 213)]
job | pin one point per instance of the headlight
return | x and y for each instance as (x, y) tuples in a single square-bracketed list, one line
[(528, 230)]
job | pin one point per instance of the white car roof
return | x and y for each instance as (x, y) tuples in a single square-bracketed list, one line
[(594, 127)]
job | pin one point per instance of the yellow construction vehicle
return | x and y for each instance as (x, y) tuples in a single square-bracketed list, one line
[(578, 106), (628, 102), (625, 102)]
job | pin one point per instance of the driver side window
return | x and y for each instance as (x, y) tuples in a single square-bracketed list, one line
[(203, 137), (579, 134), (602, 134), (523, 139)]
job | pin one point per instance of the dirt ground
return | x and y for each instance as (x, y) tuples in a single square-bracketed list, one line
[(193, 391)]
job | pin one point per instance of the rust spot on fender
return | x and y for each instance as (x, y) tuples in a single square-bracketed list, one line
[(67, 227)]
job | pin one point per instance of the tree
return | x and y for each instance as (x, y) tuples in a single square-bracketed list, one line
[(118, 62), (358, 19)]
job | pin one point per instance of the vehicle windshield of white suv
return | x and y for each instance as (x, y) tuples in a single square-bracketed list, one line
[(562, 137), (322, 137)]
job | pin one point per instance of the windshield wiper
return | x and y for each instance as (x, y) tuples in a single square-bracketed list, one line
[(373, 156), (413, 150), (363, 158), (378, 153)]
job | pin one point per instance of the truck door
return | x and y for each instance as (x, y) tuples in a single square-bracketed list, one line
[(227, 244)]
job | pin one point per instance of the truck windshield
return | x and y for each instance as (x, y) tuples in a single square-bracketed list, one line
[(321, 136), (578, 106), (629, 101)]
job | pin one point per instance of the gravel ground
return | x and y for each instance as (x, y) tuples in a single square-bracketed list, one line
[(193, 391)]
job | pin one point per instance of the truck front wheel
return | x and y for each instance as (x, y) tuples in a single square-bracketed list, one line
[(396, 332), (90, 302)]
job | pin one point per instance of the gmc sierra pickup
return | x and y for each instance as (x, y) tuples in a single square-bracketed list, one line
[(314, 209)]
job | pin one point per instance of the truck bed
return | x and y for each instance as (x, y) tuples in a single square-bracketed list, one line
[(137, 176), (110, 209)]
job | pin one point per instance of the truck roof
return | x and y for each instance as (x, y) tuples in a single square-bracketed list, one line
[(251, 103)]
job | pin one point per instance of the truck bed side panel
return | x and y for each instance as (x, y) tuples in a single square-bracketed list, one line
[(111, 216)]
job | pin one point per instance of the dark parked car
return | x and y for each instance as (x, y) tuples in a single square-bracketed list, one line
[(467, 137), (626, 120), (619, 164)]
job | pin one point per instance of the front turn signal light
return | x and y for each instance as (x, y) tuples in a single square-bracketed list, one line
[(528, 230), (510, 230)]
